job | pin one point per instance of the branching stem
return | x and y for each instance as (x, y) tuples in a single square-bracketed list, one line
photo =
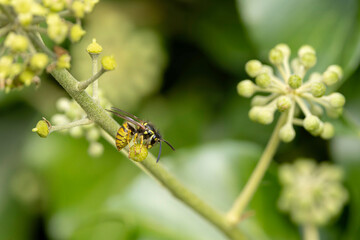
[(84, 84), (310, 232)]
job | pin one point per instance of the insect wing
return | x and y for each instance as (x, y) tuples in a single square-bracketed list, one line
[(127, 118), (126, 113)]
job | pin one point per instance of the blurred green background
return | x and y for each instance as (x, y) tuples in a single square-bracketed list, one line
[(179, 63)]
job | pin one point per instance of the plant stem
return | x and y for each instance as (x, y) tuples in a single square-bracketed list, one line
[(84, 84), (310, 232), (80, 122), (94, 58), (234, 215), (99, 116)]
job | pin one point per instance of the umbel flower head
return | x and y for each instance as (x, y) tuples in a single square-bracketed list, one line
[(22, 21), (293, 90), (311, 194)]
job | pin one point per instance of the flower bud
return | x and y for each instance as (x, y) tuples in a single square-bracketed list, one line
[(318, 130), (336, 100), (246, 88), (316, 110), (76, 33), (55, 6), (284, 48), (259, 100), (337, 69), (108, 63), (78, 8), (25, 19), (311, 123), (266, 116), (334, 112), (96, 149), (328, 131), (26, 77), (318, 89), (263, 80), (76, 132), (57, 28), (59, 119), (305, 49), (253, 68), (138, 153), (94, 47), (93, 134), (63, 61), (308, 60), (16, 42), (330, 77), (287, 133), (283, 103), (295, 81), (276, 56), (63, 104), (254, 112), (39, 61), (42, 128)]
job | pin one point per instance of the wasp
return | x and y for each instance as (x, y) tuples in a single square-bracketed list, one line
[(138, 130)]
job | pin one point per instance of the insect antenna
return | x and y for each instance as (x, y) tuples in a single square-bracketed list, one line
[(158, 158), (168, 144)]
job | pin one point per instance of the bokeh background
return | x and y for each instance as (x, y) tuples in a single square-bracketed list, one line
[(179, 63)]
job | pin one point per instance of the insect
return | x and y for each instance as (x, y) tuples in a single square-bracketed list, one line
[(138, 130)]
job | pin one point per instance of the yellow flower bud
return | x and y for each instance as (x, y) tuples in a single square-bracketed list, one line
[(76, 32), (57, 28), (276, 56), (26, 77), (42, 128), (328, 131), (253, 68), (78, 8), (318, 89), (94, 47), (22, 6), (311, 123), (63, 61), (336, 100), (263, 80), (284, 48), (25, 18), (295, 81), (283, 103), (108, 63), (138, 153), (287, 133), (17, 43), (330, 77), (89, 5), (39, 61), (246, 88), (55, 5)]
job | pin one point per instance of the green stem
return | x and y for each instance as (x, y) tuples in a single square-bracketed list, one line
[(95, 72), (100, 116), (80, 122), (310, 232), (236, 212)]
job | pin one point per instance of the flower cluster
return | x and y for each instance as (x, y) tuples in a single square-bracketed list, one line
[(289, 92), (312, 194), (24, 55), (70, 111)]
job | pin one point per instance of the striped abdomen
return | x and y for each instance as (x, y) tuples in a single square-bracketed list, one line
[(123, 136)]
